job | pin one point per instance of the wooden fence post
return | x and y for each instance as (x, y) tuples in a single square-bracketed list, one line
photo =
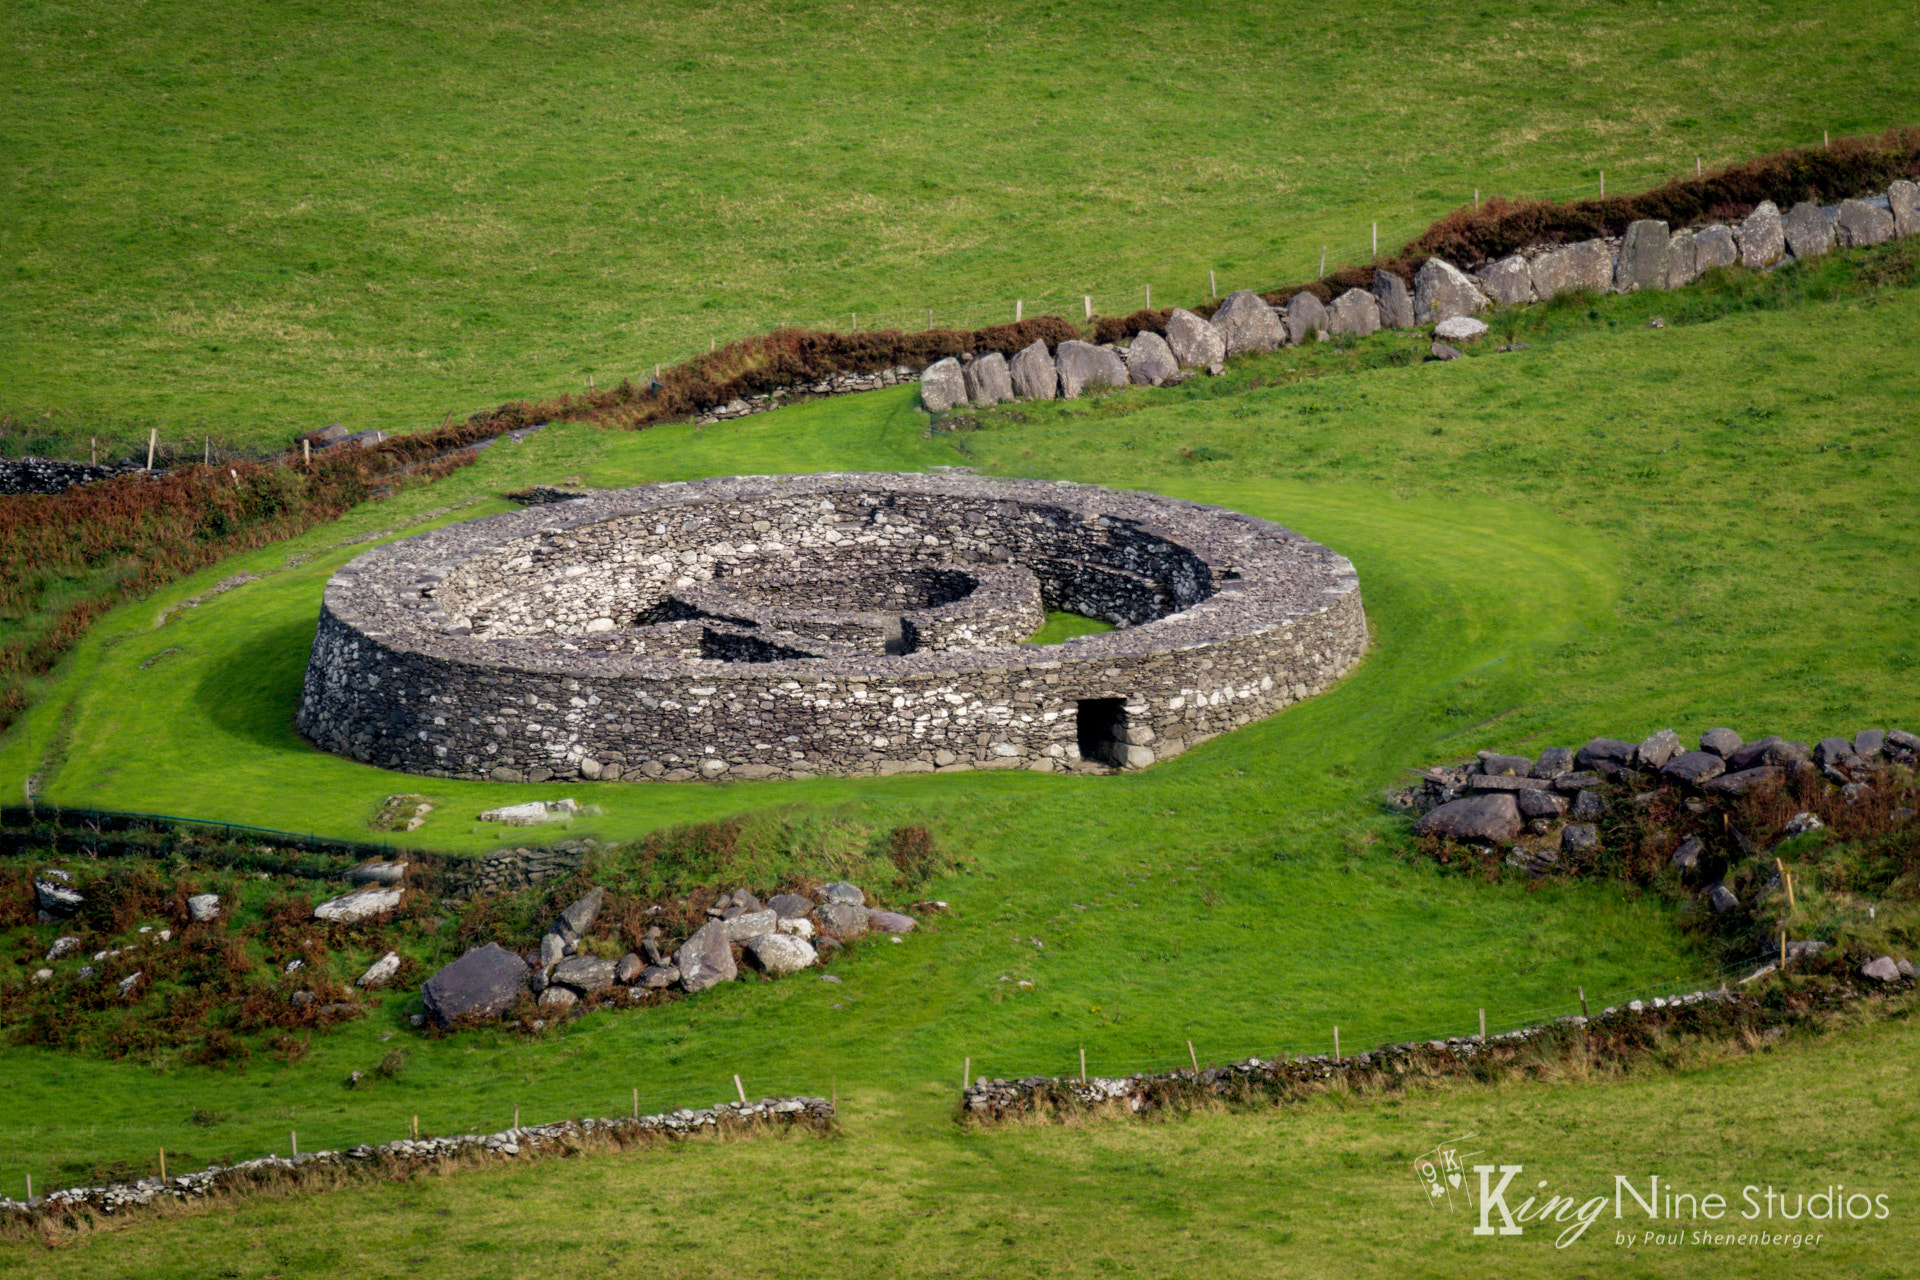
[(636, 1104), (1193, 1057), (293, 1143), (1336, 1041), (1213, 290), (1323, 263), (966, 1074), (1083, 1064), (1476, 199), (516, 1117), (163, 1169), (1483, 1024), (1019, 304), (739, 1088), (1583, 999), (153, 439), (1086, 301)]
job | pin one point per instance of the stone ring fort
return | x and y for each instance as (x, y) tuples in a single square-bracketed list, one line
[(788, 626)]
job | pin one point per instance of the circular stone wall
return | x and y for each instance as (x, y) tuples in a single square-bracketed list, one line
[(784, 626)]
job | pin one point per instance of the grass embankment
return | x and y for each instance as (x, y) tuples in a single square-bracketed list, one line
[(1539, 564), (232, 221)]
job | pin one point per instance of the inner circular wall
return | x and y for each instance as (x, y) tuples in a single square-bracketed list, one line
[(598, 638)]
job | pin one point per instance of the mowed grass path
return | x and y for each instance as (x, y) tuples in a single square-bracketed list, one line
[(228, 219), (1239, 896)]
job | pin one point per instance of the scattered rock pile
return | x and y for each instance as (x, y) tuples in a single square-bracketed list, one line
[(50, 475), (565, 1137)]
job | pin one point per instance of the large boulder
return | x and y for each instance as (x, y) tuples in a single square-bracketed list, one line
[(1246, 323), (202, 907), (1083, 365), (988, 380), (842, 891), (484, 983), (1713, 247), (1306, 316), (1442, 291), (1881, 969), (580, 914), (1643, 257), (1034, 376), (1605, 751), (789, 905), (1460, 329), (781, 954), (1903, 198), (890, 922), (943, 386), (841, 919), (706, 959), (1587, 266), (1150, 360), (55, 897), (380, 972), (1738, 784), (1860, 224), (361, 904), (1659, 748), (1682, 261), (1695, 768), (1759, 236), (1509, 282), (1807, 230), (1722, 742), (1356, 312), (1396, 303), (1195, 343), (1491, 818), (586, 974), (749, 925)]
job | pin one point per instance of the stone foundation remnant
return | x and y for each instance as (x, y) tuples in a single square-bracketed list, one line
[(788, 626)]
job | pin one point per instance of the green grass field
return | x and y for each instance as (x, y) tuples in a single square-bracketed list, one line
[(228, 220), (242, 221)]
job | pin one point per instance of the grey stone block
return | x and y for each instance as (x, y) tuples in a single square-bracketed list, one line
[(1508, 282), (1195, 343), (1860, 224), (1807, 231), (1306, 317), (943, 386), (989, 380), (1762, 242), (1083, 366), (1394, 299), (1034, 374), (1354, 312), (1442, 291), (1643, 257), (1587, 266), (1150, 360), (1246, 323)]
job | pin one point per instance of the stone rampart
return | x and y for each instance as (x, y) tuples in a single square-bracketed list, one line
[(702, 630)]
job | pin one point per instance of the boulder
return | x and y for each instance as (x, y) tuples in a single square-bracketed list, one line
[(749, 925), (483, 983), (380, 972), (1687, 856), (1589, 806), (1441, 351), (1769, 750), (1738, 784), (1694, 768), (1868, 743), (1681, 264), (57, 898), (1492, 818), (1579, 837), (1722, 742), (1586, 266), (1643, 257), (1860, 224), (1605, 751), (841, 919), (1881, 969), (1306, 317), (1495, 764), (656, 976), (1194, 343), (705, 959), (789, 905), (1083, 365), (798, 926), (1721, 898), (1831, 751), (558, 997), (553, 949), (1508, 282), (1460, 329), (1034, 375), (1396, 302), (1571, 782), (585, 974), (1246, 323), (943, 386), (1801, 823), (1553, 762), (63, 947), (361, 904), (1506, 782), (1903, 198), (1713, 247), (890, 922), (1807, 230), (841, 891), (1354, 312), (202, 907), (628, 971), (1658, 749), (1442, 291), (580, 914), (781, 954), (1150, 360), (1759, 236), (988, 380), (1540, 804), (376, 871)]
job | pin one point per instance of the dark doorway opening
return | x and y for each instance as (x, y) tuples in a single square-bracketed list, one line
[(1103, 729)]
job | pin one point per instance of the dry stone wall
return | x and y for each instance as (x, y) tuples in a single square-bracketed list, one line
[(632, 634)]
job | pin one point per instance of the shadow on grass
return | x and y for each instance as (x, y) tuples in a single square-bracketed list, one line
[(253, 692)]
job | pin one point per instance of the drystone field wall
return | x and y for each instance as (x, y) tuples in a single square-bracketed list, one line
[(703, 630)]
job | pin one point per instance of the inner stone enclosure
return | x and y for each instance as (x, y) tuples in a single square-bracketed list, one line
[(788, 626)]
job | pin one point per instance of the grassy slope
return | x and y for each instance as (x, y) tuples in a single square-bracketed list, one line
[(218, 217), (1325, 1189)]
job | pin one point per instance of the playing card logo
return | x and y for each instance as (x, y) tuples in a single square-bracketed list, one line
[(1442, 1173)]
